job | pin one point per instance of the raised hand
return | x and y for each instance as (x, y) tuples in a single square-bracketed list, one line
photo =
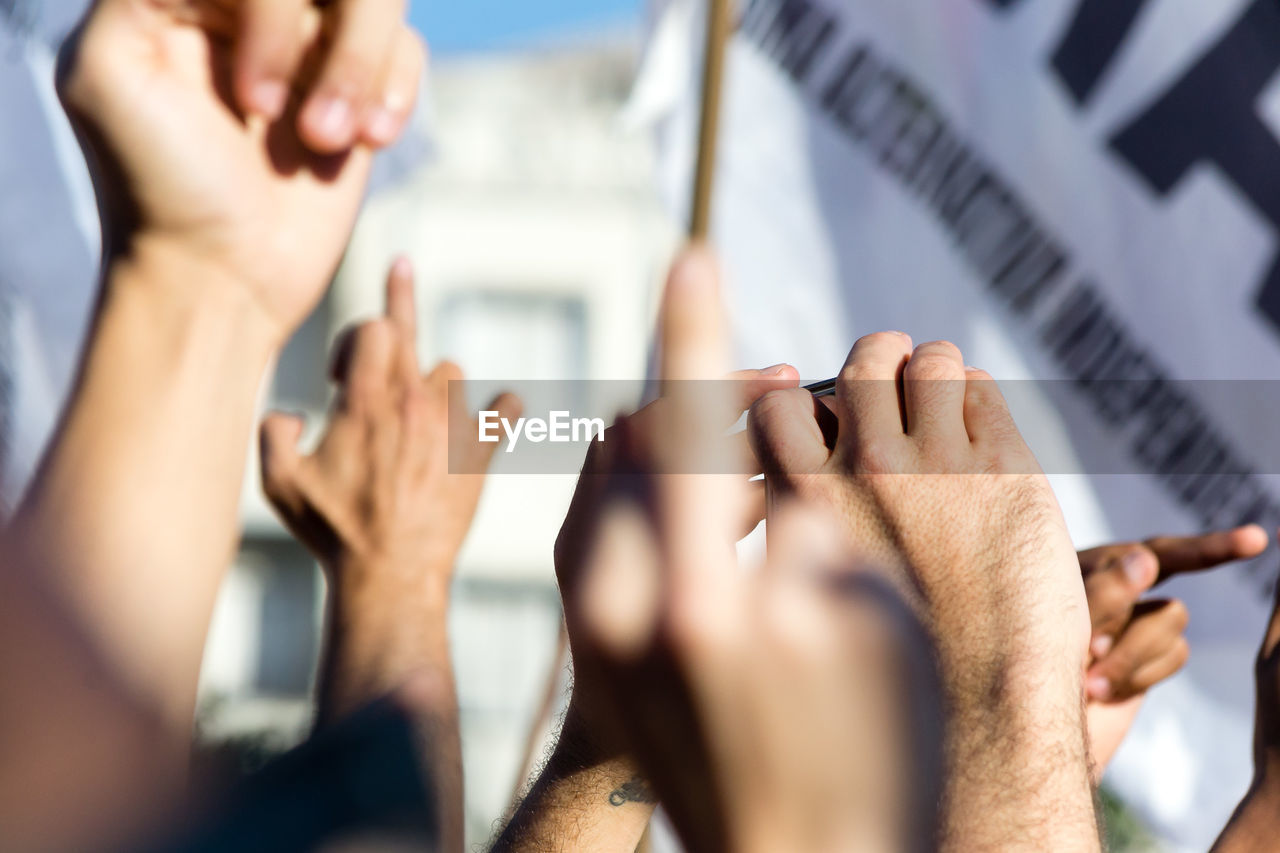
[(377, 504), (927, 471), (217, 131), (1138, 643), (745, 696), (592, 795), (376, 501)]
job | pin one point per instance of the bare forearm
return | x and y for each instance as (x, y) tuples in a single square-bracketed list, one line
[(1255, 826), (132, 517), (85, 763), (584, 800), (378, 642), (1019, 769)]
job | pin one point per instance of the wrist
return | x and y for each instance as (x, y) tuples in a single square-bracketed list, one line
[(376, 645), (1029, 685), (363, 587), (192, 289)]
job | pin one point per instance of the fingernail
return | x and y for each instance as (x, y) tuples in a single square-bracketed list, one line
[(383, 126), (1137, 568), (1098, 687), (401, 267), (269, 98), (1101, 645), (333, 119), (776, 370)]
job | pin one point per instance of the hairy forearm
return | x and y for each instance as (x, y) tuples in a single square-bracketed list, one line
[(1255, 825), (1018, 766), (378, 640), (132, 517), (585, 799)]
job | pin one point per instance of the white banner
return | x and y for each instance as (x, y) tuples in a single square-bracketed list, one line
[(1083, 191)]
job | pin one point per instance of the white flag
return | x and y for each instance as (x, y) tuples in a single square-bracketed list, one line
[(1083, 193)]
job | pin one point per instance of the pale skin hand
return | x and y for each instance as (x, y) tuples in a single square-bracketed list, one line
[(929, 473), (1137, 644), (1256, 823), (219, 242), (270, 203), (378, 506), (592, 795), (746, 696)]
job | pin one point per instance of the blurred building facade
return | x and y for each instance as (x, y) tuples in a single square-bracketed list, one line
[(539, 243)]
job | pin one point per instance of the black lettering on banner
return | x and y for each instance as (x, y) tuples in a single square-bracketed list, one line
[(905, 104), (1076, 327), (963, 183), (905, 152), (1172, 425), (942, 159), (993, 225), (1092, 41), (1217, 489), (1022, 263), (1171, 434), (1032, 276), (1123, 382), (795, 34), (1210, 117), (846, 88)]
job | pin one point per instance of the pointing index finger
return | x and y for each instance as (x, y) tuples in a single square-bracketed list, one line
[(1182, 554)]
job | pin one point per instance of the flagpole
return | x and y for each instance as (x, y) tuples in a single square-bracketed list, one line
[(718, 27)]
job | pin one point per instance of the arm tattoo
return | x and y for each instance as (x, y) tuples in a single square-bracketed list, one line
[(635, 790)]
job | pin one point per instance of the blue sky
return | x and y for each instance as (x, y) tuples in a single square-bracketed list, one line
[(454, 26)]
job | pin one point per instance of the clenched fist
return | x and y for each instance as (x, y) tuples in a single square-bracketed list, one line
[(238, 135)]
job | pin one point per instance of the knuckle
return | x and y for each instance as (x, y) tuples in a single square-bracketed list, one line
[(1119, 666), (1005, 453), (931, 367), (351, 71), (83, 64), (769, 411), (1181, 653), (415, 47), (1109, 603), (1101, 559), (276, 480), (941, 349), (878, 339), (374, 335), (875, 456), (449, 371), (878, 344)]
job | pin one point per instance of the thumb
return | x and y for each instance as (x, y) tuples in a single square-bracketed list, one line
[(280, 459), (1115, 584)]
